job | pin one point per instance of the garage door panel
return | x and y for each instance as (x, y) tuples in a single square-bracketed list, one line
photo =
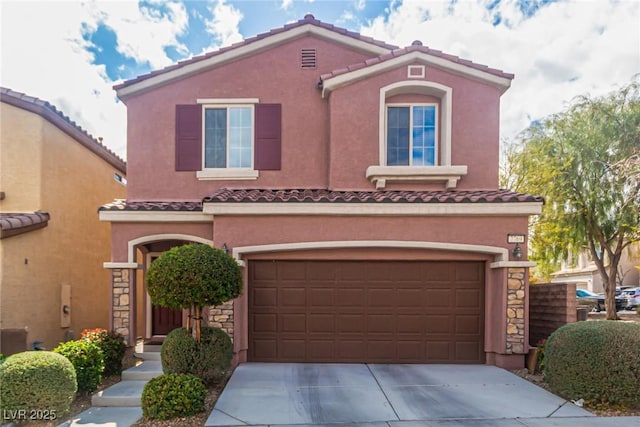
[(437, 297), (380, 323), (468, 324), (264, 271), (382, 297), (438, 351), (292, 322), (320, 296), (293, 297), (366, 311), (264, 297), (322, 323), (465, 349), (469, 298), (354, 297), (410, 323), (265, 322), (354, 323), (438, 324)]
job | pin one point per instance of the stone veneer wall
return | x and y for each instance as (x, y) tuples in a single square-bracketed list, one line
[(551, 305), (121, 301), (221, 317), (515, 311)]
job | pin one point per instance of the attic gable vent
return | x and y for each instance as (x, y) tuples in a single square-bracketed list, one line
[(308, 58)]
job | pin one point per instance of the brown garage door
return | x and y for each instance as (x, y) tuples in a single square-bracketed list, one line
[(366, 311)]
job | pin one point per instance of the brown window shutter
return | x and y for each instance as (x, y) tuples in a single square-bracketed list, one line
[(268, 136), (188, 137)]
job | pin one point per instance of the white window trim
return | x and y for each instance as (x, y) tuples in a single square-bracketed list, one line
[(227, 173), (444, 172), (436, 128)]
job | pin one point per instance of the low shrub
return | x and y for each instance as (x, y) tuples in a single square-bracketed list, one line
[(173, 395), (87, 359), (112, 345), (40, 380), (2, 358), (209, 359), (598, 361)]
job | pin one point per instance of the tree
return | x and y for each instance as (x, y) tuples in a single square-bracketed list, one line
[(585, 161), (193, 276)]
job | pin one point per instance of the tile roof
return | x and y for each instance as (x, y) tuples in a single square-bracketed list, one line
[(123, 205), (415, 47), (308, 19), (225, 195), (12, 224), (59, 119)]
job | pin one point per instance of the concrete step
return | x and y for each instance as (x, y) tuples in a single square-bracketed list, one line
[(124, 393), (149, 348), (143, 372), (152, 355)]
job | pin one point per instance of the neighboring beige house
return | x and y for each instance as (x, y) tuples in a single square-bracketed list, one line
[(582, 271), (53, 178)]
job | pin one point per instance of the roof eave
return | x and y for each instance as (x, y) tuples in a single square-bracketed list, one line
[(131, 88), (74, 132), (501, 82)]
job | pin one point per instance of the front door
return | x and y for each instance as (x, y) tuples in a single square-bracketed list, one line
[(165, 320)]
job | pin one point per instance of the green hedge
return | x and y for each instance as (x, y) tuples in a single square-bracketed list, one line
[(112, 345), (173, 395), (598, 361), (87, 359), (37, 380), (209, 359)]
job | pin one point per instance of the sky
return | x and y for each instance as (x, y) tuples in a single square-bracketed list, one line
[(71, 53)]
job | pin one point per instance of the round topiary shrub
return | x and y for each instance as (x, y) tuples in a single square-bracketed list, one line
[(112, 345), (173, 395), (88, 361), (40, 380), (597, 361), (208, 359)]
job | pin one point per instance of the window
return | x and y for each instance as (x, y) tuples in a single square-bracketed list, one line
[(411, 135), (228, 137)]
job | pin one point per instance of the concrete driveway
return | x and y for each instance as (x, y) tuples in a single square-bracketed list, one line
[(390, 395)]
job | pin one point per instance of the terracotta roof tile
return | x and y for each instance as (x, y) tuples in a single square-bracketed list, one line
[(308, 19), (12, 224), (417, 48), (225, 195), (123, 205)]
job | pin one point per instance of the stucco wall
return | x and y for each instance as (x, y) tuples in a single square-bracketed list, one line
[(20, 159), (272, 76), (72, 183)]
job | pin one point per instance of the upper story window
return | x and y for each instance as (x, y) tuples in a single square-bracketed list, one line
[(415, 136), (224, 139), (228, 136), (412, 135)]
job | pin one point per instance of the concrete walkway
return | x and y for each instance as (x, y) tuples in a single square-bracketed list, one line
[(119, 405), (392, 396)]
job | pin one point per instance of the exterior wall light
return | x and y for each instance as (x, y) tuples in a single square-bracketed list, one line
[(517, 239), (225, 248)]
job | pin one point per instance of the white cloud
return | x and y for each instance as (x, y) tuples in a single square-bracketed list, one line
[(49, 62), (143, 33), (566, 49), (224, 25), (286, 4)]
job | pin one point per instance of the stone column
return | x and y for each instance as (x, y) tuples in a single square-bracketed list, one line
[(515, 342), (121, 302), (221, 317)]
